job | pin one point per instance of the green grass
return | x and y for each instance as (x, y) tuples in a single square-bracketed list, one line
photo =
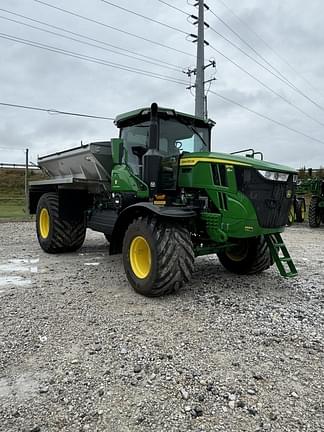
[(12, 193), (12, 211)]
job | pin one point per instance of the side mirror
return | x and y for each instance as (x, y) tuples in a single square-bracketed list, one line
[(117, 150)]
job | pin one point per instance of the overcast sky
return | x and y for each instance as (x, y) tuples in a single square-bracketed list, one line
[(292, 30)]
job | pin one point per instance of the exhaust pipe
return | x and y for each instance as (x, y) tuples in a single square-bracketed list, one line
[(152, 158)]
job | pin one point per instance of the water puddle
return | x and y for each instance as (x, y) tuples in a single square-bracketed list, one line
[(23, 266), (19, 281), (24, 387), (91, 263), (20, 265)]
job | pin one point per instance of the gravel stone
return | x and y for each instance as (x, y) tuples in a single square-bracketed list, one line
[(184, 394), (198, 410), (231, 404), (228, 352)]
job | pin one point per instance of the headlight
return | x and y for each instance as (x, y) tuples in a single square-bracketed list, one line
[(274, 175)]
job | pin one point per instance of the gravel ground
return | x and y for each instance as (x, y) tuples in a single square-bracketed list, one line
[(81, 351)]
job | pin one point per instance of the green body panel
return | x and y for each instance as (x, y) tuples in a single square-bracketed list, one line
[(123, 180), (238, 218), (213, 227)]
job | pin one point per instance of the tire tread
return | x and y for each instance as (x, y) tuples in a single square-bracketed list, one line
[(67, 235), (174, 252)]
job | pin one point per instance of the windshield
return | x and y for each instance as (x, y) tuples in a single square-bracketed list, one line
[(176, 137)]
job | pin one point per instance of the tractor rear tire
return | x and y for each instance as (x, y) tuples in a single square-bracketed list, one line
[(300, 210), (158, 256), (250, 256), (314, 214), (57, 235)]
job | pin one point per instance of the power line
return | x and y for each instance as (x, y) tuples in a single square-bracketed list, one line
[(145, 17), (266, 86), (54, 111), (247, 44), (266, 117), (86, 37), (87, 58), (12, 148), (267, 45), (249, 56), (113, 28), (174, 7), (87, 43), (90, 58), (280, 76)]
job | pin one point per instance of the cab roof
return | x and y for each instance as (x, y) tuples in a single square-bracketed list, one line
[(143, 114)]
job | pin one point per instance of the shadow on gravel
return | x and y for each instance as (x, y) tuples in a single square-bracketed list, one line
[(211, 278)]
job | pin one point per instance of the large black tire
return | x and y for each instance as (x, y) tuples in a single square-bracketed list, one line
[(158, 256), (250, 256), (57, 235), (300, 210), (314, 213)]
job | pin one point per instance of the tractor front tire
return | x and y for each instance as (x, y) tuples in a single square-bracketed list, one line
[(158, 256), (57, 235), (249, 256), (314, 214)]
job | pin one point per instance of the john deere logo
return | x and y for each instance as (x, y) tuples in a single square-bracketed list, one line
[(289, 193), (248, 228)]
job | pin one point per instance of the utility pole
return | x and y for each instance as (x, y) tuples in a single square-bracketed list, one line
[(26, 182), (200, 66), (199, 71)]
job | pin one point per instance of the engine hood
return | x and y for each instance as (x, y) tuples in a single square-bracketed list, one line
[(191, 159)]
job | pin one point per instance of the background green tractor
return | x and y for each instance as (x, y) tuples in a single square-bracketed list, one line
[(297, 212), (312, 189), (316, 205), (162, 198)]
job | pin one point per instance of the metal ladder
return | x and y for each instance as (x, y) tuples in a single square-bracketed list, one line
[(280, 255)]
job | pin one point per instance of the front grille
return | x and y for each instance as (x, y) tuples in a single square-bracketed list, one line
[(271, 199)]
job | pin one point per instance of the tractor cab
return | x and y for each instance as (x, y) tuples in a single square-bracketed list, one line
[(153, 140)]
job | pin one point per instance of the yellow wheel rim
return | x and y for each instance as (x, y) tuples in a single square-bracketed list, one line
[(140, 257), (303, 212), (291, 215), (44, 223)]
